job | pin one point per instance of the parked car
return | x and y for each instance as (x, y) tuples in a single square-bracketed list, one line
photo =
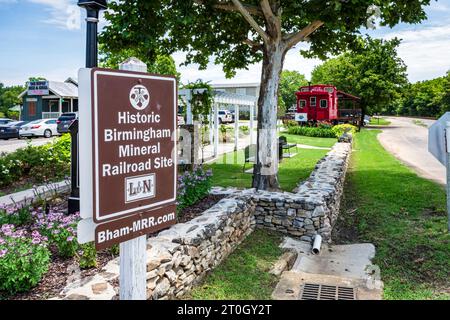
[(11, 129), (5, 121), (8, 132), (65, 120), (39, 128), (225, 116)]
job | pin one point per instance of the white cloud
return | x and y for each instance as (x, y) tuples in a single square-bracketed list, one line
[(63, 13), (425, 51)]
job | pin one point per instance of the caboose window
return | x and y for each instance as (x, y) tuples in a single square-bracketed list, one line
[(302, 104), (324, 103), (312, 101)]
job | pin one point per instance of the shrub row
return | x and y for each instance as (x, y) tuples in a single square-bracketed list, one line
[(37, 163), (322, 131)]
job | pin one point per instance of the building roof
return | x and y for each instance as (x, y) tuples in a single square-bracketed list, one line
[(66, 89), (235, 85)]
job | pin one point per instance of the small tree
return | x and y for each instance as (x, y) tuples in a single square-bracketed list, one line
[(241, 32), (373, 71)]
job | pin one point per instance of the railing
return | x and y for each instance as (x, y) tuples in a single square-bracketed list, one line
[(50, 115)]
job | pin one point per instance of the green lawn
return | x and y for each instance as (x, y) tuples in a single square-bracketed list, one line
[(379, 121), (227, 170), (310, 141), (404, 215), (244, 274)]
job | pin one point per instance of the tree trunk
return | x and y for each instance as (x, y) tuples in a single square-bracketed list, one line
[(265, 170)]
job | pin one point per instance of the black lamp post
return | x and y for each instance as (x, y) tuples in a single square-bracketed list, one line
[(92, 9)]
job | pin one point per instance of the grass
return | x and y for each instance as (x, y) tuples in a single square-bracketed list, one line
[(310, 141), (404, 215), (244, 274), (379, 121), (419, 123), (227, 170)]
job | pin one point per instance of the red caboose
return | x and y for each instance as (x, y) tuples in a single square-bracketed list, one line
[(325, 103)]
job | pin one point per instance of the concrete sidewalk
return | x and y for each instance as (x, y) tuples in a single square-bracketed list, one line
[(337, 266)]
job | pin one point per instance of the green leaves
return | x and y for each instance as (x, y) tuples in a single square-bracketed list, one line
[(290, 83), (373, 71)]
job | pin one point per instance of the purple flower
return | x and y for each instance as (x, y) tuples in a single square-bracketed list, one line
[(3, 252), (36, 241), (70, 239)]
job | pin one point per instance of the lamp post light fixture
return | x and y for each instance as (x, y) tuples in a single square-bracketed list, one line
[(92, 8)]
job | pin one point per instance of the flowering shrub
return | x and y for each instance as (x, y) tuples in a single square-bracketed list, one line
[(39, 163), (24, 259), (193, 186), (15, 215), (60, 230), (342, 128)]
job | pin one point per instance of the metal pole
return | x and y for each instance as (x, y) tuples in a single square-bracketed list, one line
[(133, 253), (91, 38), (91, 62)]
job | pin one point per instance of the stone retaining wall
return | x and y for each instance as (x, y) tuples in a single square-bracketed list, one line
[(180, 257), (313, 207)]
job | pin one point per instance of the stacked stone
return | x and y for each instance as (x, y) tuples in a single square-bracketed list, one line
[(179, 257), (313, 207)]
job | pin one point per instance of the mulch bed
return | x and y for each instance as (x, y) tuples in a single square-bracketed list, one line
[(61, 270), (197, 209)]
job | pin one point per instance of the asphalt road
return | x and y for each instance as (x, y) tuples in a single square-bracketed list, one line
[(409, 143), (14, 144)]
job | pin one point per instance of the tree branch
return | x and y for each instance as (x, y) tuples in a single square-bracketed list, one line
[(250, 20), (254, 10), (273, 21), (253, 44), (292, 39)]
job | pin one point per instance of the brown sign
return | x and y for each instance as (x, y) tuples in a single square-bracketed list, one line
[(125, 229), (133, 143)]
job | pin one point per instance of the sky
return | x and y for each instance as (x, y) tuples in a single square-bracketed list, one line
[(47, 38)]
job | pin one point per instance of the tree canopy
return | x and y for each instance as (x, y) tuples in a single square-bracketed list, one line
[(237, 33), (234, 32), (373, 71), (290, 81), (162, 64), (430, 98), (9, 98)]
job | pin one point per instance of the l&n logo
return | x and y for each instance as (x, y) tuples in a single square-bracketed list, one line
[(139, 187)]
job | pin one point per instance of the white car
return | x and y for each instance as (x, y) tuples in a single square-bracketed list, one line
[(225, 116), (39, 128)]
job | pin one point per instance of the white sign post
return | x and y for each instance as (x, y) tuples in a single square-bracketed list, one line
[(133, 253), (439, 147)]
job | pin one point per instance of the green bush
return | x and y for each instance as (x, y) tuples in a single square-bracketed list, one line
[(87, 256), (18, 216), (339, 130), (38, 163), (290, 123), (23, 260), (312, 132), (192, 187)]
